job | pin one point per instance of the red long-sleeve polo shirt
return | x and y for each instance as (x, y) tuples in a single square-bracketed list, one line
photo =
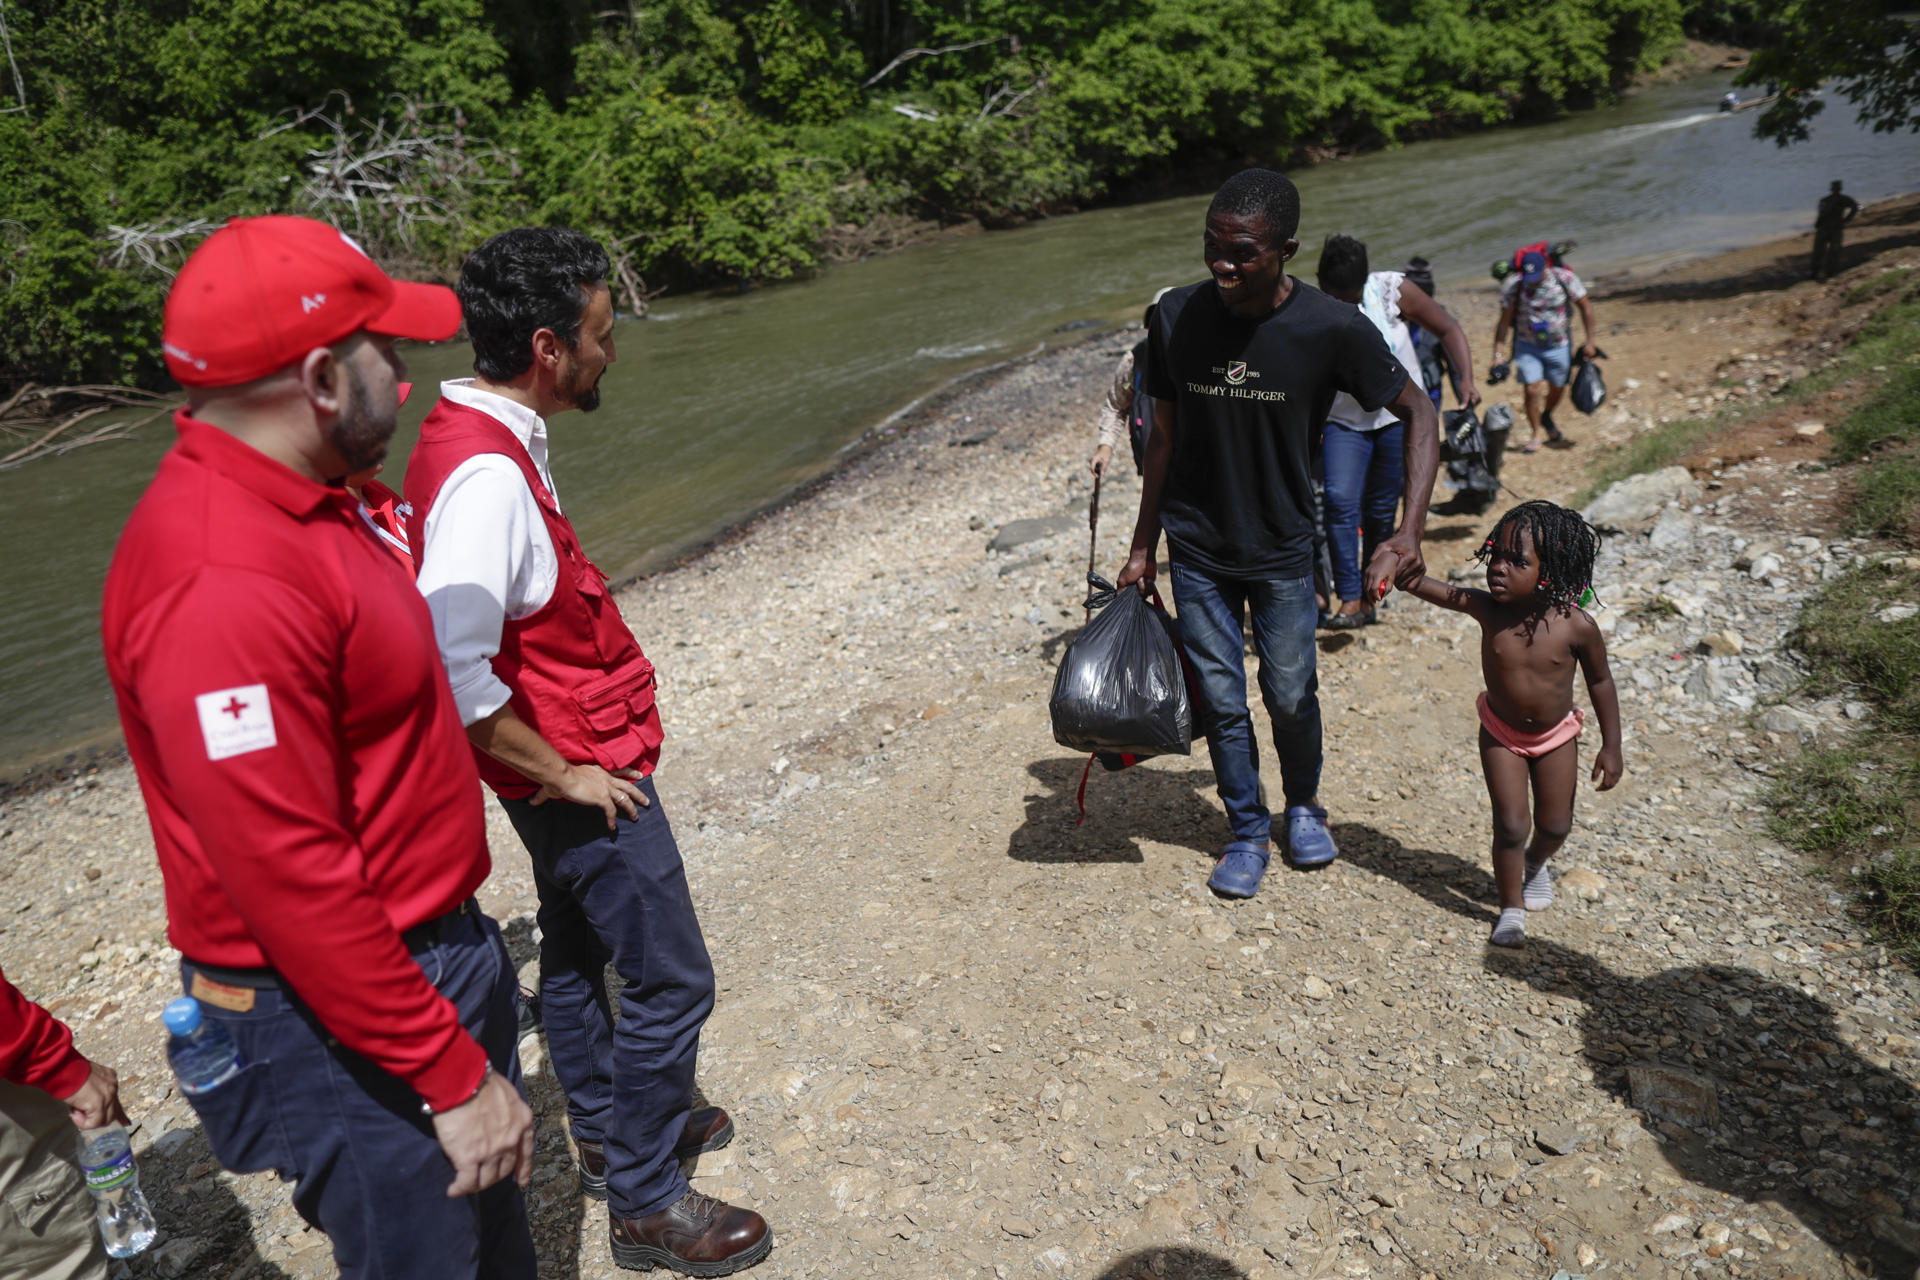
[(310, 787), (36, 1048)]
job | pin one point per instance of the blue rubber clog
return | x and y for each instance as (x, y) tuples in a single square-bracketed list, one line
[(1240, 869), (1309, 843)]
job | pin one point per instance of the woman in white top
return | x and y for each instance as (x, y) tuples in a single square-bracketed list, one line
[(1364, 452)]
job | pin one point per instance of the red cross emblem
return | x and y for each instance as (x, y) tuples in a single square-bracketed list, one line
[(234, 707)]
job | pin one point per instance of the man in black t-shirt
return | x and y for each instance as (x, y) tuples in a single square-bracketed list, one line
[(1243, 369)]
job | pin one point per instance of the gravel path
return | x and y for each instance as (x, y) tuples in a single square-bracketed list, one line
[(963, 1036)]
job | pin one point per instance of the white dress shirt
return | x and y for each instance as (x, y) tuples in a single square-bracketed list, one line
[(487, 556)]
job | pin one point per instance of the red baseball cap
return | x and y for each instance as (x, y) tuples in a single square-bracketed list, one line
[(260, 293)]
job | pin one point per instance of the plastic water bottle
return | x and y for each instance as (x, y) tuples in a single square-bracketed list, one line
[(203, 1053), (126, 1223)]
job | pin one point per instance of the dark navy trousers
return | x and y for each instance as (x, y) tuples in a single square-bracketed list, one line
[(620, 896), (365, 1165)]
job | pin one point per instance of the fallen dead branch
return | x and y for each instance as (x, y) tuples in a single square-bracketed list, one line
[(43, 418)]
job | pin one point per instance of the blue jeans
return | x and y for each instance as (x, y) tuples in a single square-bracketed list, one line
[(365, 1165), (620, 895), (1284, 614), (1365, 473)]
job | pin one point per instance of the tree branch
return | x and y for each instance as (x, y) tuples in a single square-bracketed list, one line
[(911, 54), (6, 40), (40, 445)]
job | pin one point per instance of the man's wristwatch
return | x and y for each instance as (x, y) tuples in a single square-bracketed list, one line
[(426, 1108)]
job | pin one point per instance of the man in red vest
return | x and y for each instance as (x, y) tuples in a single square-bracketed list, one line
[(315, 816), (558, 702)]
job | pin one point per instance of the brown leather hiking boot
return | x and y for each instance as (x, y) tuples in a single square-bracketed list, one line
[(696, 1236), (708, 1129)]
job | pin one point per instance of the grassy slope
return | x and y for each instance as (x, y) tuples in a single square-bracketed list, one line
[(1858, 806), (1855, 807)]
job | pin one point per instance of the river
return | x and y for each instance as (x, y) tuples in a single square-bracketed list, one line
[(719, 404)]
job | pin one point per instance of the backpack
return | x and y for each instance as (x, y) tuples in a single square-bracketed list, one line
[(1140, 416), (1543, 248)]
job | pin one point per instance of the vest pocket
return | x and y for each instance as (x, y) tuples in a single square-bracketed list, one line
[(611, 706)]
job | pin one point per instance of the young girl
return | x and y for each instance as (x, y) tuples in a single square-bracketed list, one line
[(1532, 633)]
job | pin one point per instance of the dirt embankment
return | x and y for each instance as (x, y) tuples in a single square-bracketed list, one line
[(963, 1036)]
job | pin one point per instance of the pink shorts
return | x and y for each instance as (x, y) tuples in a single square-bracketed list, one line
[(1531, 744)]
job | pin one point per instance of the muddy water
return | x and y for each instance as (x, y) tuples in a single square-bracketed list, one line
[(721, 403)]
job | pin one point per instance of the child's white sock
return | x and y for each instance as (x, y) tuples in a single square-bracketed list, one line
[(1538, 889), (1511, 929)]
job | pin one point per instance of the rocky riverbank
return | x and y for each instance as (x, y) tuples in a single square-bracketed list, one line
[(964, 1037)]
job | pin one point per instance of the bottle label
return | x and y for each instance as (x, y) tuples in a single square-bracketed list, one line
[(116, 1172)]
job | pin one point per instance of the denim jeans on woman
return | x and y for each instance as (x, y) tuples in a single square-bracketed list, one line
[(1365, 472), (1211, 609)]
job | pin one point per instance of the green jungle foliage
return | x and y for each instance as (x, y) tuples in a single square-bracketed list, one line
[(703, 141)]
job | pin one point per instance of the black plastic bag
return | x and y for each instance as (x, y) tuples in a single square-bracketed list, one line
[(1121, 688), (1460, 436), (1589, 388), (1493, 430), (1473, 450)]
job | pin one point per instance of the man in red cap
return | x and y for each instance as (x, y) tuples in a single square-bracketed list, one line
[(313, 804), (47, 1087)]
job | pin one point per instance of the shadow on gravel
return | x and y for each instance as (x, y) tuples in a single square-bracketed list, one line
[(191, 1202), (517, 934), (1744, 1080), (1175, 1262), (1056, 644), (1141, 803), (555, 1208)]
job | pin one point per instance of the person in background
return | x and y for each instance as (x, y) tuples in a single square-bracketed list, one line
[(558, 702), (47, 1090), (1128, 413), (315, 811), (1434, 369), (1536, 306), (1836, 210), (1361, 450), (1243, 368), (384, 510)]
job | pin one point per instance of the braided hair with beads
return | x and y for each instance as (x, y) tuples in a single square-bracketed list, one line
[(1566, 544)]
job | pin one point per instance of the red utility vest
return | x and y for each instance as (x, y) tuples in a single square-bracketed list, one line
[(576, 672)]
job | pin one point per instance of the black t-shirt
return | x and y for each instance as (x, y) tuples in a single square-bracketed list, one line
[(1833, 210), (1252, 397)]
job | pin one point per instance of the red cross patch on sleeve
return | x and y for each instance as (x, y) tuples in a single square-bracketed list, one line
[(236, 721)]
